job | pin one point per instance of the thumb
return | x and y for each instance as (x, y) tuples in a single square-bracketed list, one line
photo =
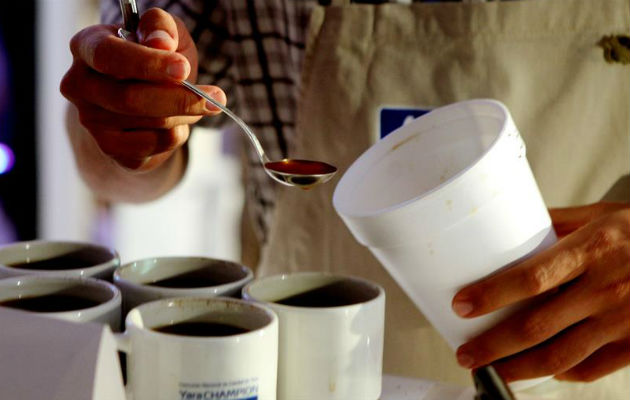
[(157, 29)]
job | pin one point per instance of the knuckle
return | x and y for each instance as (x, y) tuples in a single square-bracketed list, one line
[(128, 99), (185, 104), (86, 119), (66, 86), (618, 291), (581, 375), (102, 54), (77, 40), (170, 140), (537, 279), (155, 13), (163, 122), (71, 82), (534, 329), (601, 240), (554, 362)]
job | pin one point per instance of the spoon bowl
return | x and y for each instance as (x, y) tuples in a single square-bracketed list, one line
[(301, 173), (290, 172)]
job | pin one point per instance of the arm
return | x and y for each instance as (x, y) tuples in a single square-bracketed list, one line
[(129, 121)]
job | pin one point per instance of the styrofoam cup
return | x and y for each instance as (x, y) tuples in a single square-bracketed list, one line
[(444, 201)]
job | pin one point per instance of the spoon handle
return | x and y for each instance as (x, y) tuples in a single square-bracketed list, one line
[(252, 137)]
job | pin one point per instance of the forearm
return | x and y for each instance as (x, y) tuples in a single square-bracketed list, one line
[(109, 181)]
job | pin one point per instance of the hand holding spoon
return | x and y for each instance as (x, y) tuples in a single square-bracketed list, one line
[(290, 172)]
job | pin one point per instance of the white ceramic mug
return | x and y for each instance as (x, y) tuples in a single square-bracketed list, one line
[(331, 352), (61, 258), (443, 201), (172, 366), (137, 280), (105, 299)]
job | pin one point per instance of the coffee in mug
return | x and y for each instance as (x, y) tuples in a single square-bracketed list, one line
[(156, 278), (58, 258), (70, 298)]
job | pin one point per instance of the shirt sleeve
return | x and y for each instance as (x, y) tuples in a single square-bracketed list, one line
[(206, 23)]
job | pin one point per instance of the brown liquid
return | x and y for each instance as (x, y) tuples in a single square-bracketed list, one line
[(341, 293), (201, 329), (300, 167), (301, 173), (81, 258), (55, 302), (196, 279)]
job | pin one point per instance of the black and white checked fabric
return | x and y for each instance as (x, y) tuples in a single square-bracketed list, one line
[(253, 50)]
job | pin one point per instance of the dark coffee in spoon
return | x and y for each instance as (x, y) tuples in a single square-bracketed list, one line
[(303, 173)]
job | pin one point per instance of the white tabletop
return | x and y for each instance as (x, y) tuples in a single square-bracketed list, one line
[(401, 388)]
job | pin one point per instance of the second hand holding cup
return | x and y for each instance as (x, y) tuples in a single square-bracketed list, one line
[(291, 172)]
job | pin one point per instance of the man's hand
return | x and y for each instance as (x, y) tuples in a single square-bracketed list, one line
[(579, 328), (127, 95)]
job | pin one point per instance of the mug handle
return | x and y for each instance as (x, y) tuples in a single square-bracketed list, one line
[(123, 344)]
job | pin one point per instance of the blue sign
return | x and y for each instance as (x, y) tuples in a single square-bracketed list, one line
[(391, 118)]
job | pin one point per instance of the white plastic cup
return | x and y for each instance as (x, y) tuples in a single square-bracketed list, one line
[(443, 201), (169, 366), (326, 352)]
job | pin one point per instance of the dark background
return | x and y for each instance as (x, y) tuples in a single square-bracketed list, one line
[(18, 187)]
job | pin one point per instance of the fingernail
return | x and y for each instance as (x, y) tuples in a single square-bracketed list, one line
[(158, 34), (465, 360), (462, 308), (177, 70)]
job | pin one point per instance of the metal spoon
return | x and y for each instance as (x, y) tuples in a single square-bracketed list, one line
[(290, 172)]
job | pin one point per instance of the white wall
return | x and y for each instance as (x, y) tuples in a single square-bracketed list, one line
[(66, 208), (199, 217)]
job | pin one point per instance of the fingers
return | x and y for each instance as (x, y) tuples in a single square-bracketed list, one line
[(100, 49), (95, 118), (136, 98), (568, 349), (530, 327), (538, 274), (567, 220), (139, 145), (604, 361)]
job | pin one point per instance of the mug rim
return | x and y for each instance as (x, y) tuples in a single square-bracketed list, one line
[(176, 292), (246, 291), (130, 326), (114, 301), (112, 262)]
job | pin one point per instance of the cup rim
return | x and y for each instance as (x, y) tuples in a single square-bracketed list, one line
[(112, 262), (175, 292), (245, 292), (342, 190), (115, 300), (130, 326)]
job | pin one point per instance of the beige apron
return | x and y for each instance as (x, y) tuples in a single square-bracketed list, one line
[(540, 57)]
